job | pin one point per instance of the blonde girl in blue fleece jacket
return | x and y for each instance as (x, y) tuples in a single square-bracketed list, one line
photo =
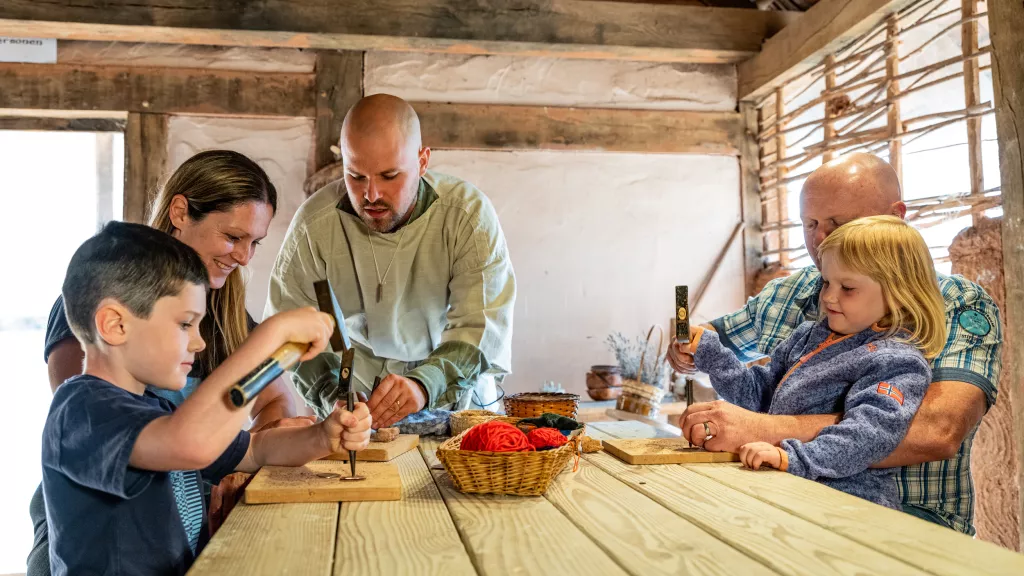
[(884, 316)]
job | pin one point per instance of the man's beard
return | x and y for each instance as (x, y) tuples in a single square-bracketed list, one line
[(382, 225)]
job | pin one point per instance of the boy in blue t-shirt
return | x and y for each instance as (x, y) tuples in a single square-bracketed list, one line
[(121, 466)]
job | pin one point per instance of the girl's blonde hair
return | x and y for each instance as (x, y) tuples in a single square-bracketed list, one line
[(893, 253), (216, 181)]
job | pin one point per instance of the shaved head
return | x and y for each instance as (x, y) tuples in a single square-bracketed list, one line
[(843, 190), (384, 158), (382, 113)]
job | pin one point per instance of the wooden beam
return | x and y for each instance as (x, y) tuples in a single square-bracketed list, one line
[(824, 29), (892, 71), (830, 127), (781, 171), (1006, 26), (972, 96), (339, 85), (104, 178), (62, 124), (497, 127), (156, 90), (750, 196), (145, 161), (563, 28)]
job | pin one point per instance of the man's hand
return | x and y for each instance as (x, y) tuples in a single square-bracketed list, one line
[(729, 425), (344, 430), (754, 454), (395, 398)]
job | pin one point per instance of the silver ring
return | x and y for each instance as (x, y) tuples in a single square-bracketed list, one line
[(707, 432)]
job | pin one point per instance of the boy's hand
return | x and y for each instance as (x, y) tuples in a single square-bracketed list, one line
[(304, 326), (344, 430), (680, 358), (756, 454)]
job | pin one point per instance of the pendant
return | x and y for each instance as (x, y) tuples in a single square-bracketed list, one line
[(380, 291)]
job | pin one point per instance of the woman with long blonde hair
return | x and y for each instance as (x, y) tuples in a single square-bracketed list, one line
[(220, 203), (883, 315)]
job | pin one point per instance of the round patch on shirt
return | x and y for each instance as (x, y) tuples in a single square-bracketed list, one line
[(974, 322)]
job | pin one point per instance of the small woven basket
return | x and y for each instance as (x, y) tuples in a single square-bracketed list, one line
[(465, 419), (516, 473), (533, 404), (637, 396)]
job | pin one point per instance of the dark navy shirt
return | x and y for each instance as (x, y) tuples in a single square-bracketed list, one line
[(105, 516)]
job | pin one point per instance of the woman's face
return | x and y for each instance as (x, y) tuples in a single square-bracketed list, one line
[(224, 240)]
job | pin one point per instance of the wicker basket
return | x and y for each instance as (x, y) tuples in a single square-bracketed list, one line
[(533, 404), (465, 419), (517, 473), (638, 397)]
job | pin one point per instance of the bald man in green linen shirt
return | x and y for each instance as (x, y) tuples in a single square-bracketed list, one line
[(420, 267)]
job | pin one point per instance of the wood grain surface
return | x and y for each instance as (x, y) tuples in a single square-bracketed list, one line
[(640, 534), (929, 546), (272, 539), (773, 537), (663, 451), (519, 534), (278, 484), (414, 535)]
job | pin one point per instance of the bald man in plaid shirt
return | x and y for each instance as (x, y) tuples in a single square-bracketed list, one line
[(935, 479)]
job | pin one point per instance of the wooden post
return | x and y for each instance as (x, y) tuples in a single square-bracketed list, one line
[(1006, 24), (750, 195), (104, 178), (972, 96), (782, 211), (830, 129), (892, 70), (145, 160), (339, 85)]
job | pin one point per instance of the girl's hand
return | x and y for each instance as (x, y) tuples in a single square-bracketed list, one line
[(756, 454), (344, 430), (304, 326)]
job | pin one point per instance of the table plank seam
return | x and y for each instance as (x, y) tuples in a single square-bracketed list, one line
[(867, 542), (463, 537), (610, 553), (701, 526)]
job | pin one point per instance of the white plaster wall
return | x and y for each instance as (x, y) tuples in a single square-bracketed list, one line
[(598, 242), (281, 147), (551, 81)]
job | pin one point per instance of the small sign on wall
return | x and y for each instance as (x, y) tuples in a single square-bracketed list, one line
[(34, 50)]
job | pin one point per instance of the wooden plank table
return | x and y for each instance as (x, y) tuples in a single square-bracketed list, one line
[(606, 517)]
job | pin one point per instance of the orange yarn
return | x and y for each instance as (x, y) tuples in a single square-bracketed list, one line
[(495, 436), (546, 438)]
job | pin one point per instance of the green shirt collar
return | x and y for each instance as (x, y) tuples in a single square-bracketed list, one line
[(425, 196)]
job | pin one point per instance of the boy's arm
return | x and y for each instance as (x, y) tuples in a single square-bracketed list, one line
[(341, 431), (877, 412), (198, 432), (751, 388)]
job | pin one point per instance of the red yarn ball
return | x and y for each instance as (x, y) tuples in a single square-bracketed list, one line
[(495, 436), (546, 438)]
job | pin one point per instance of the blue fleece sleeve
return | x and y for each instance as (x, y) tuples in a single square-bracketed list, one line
[(877, 413), (751, 388)]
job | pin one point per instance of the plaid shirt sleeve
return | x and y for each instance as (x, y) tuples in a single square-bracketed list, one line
[(741, 330), (975, 338)]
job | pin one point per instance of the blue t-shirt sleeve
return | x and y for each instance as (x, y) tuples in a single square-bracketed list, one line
[(57, 328), (229, 460), (93, 434)]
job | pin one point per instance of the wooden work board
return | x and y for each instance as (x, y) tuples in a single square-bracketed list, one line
[(281, 484), (663, 451), (382, 451)]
